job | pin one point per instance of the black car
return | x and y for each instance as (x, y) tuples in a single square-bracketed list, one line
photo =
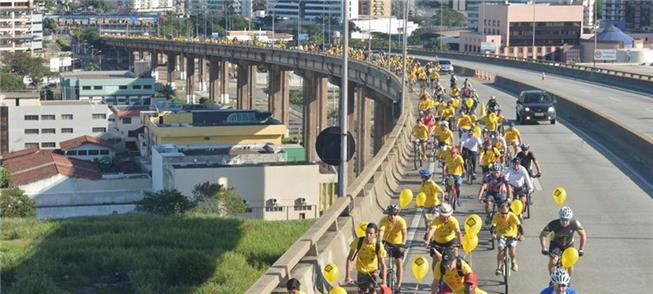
[(535, 105)]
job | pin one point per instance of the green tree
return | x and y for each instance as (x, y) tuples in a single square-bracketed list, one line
[(314, 32), (5, 177), (168, 92), (99, 5), (215, 198), (296, 97), (91, 36), (164, 202), (450, 18), (238, 23), (24, 65), (51, 24), (11, 82), (15, 203)]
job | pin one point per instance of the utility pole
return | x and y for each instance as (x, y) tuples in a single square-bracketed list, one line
[(596, 33), (404, 56), (344, 93), (533, 44)]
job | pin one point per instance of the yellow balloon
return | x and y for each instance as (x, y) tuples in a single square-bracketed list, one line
[(569, 257), (421, 198), (420, 268), (473, 224), (331, 272), (469, 243), (559, 196), (360, 229), (405, 197), (477, 131), (338, 290), (517, 206), (469, 102)]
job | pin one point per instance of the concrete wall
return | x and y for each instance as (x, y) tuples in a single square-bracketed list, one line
[(89, 147)]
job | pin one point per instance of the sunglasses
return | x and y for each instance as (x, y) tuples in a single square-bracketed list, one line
[(504, 213)]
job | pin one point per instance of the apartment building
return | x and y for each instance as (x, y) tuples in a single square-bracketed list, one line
[(308, 10), (375, 8), (21, 28), (214, 8)]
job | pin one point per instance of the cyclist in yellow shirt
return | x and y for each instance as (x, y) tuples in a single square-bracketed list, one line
[(506, 229), (431, 189), (489, 156), (455, 167), (421, 133), (491, 122), (444, 234), (393, 231), (425, 102), (448, 113), (471, 285), (513, 138), (443, 134), (465, 122), (449, 274), (369, 255)]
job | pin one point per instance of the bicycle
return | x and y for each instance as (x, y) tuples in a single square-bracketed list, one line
[(452, 192), (469, 166), (417, 151), (390, 272), (507, 262)]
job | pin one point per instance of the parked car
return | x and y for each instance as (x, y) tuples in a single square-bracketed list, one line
[(445, 65), (535, 105)]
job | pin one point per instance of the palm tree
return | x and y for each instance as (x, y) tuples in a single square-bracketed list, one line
[(168, 92)]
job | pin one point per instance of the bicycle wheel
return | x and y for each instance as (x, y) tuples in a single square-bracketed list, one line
[(506, 269), (528, 205), (416, 155)]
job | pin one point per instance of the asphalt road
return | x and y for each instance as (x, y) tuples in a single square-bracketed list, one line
[(634, 109), (615, 212)]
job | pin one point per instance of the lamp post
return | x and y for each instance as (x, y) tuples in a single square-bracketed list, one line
[(404, 56), (344, 93), (533, 43), (595, 26)]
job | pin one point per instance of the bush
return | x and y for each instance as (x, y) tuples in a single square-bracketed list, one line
[(5, 177), (164, 202), (15, 203), (296, 97), (215, 198), (190, 268)]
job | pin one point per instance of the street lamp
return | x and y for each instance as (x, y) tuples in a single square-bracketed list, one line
[(596, 27), (404, 57), (533, 43), (344, 93)]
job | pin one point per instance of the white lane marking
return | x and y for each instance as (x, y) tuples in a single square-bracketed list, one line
[(537, 185), (615, 99)]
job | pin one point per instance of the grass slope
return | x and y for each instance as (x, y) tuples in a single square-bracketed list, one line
[(140, 253)]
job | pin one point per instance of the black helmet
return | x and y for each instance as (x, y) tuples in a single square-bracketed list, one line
[(524, 146), (392, 210), (496, 167), (516, 160)]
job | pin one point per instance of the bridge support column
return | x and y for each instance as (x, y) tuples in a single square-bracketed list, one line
[(154, 64), (214, 81), (315, 110), (182, 66), (382, 122), (225, 72), (141, 55), (172, 65), (351, 127), (279, 94), (202, 74), (190, 79), (363, 110), (246, 86)]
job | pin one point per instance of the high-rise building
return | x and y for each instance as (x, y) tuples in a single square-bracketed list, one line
[(614, 10), (311, 9), (21, 27), (472, 7), (213, 7), (376, 8), (143, 6), (635, 15)]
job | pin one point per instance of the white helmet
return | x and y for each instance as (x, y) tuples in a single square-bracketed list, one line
[(566, 213), (444, 123), (560, 276), (445, 209)]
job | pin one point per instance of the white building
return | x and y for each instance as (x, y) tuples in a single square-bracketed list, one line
[(21, 28), (213, 8), (311, 9), (43, 124), (144, 6), (381, 25), (125, 123)]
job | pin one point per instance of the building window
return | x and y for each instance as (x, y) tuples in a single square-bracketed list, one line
[(303, 208), (81, 152), (31, 145), (86, 87), (31, 117), (99, 130), (47, 117), (273, 208), (122, 87), (47, 131), (31, 131), (66, 130), (126, 120), (93, 152), (104, 152), (147, 87), (136, 87), (67, 116), (248, 210), (99, 116), (71, 152), (48, 144), (97, 87)]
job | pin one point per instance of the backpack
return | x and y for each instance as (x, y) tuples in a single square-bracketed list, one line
[(459, 266), (360, 244)]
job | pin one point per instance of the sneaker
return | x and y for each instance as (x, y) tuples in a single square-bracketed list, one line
[(514, 266), (498, 272)]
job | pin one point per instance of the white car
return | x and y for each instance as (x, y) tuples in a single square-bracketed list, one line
[(445, 65)]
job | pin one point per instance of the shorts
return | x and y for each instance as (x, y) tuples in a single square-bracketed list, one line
[(458, 180), (494, 197), (394, 251), (556, 249), (519, 191), (440, 248), (442, 144), (485, 169), (372, 278), (502, 241)]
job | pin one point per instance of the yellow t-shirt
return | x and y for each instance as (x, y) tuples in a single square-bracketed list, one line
[(392, 231), (421, 132), (506, 227), (489, 157), (462, 290), (448, 112), (444, 135), (512, 135), (465, 122), (455, 102), (441, 107), (444, 232), (491, 124), (451, 277), (431, 189), (443, 154), (366, 259), (455, 165), (427, 103)]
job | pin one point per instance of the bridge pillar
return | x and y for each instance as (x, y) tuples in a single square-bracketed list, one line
[(382, 122), (246, 86), (190, 79), (351, 127), (214, 81), (154, 64), (315, 110), (279, 94), (182, 66), (172, 65), (363, 110), (141, 55), (201, 76), (224, 81)]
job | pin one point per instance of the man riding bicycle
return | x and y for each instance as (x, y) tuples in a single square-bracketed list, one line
[(489, 156), (471, 285), (492, 105), (465, 122), (506, 229), (559, 283), (455, 167), (369, 255), (562, 237), (393, 232), (449, 274), (520, 184), (431, 189), (494, 189), (527, 158), (443, 134), (421, 134), (444, 233), (512, 135), (470, 144)]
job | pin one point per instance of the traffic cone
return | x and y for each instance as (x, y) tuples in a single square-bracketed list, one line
[(543, 76)]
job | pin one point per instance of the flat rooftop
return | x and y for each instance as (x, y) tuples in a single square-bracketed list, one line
[(95, 75)]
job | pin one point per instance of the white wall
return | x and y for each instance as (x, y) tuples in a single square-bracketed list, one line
[(88, 147)]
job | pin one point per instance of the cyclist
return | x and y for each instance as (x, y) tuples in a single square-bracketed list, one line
[(527, 158), (431, 189), (448, 113), (520, 184), (562, 231), (369, 255), (421, 134), (450, 273), (470, 144), (443, 134), (293, 286), (492, 105), (489, 156), (494, 188), (429, 120), (506, 229), (491, 122), (425, 101), (452, 81), (512, 134), (466, 121), (559, 283), (455, 166), (443, 234), (393, 232), (471, 285)]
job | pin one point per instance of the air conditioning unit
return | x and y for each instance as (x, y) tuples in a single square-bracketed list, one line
[(301, 200), (272, 202)]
